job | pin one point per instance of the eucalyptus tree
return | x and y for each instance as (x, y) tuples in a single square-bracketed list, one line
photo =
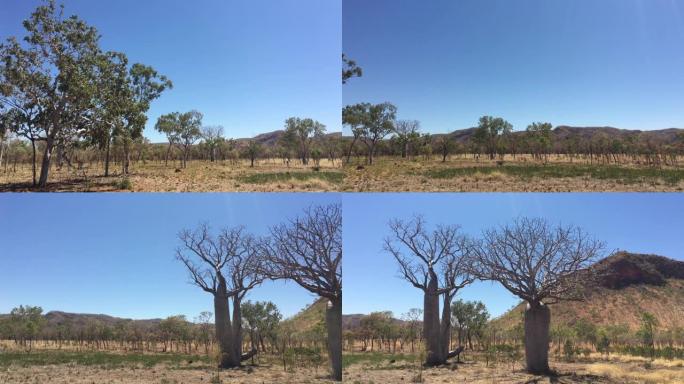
[(353, 116), (542, 265), (539, 135), (182, 130), (252, 151), (300, 133), (262, 319), (439, 264), (349, 69), (23, 120), (26, 323), (55, 71), (445, 145), (370, 123), (212, 136), (226, 266), (489, 132), (308, 251), (406, 131)]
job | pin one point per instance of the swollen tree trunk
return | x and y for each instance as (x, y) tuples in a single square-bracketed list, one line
[(537, 319), (223, 328), (431, 326), (445, 328), (333, 322), (237, 331)]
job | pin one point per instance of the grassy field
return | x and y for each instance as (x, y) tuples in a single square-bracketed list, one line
[(199, 176), (51, 366), (376, 368), (519, 175)]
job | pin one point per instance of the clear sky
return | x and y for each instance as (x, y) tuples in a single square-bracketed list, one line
[(246, 64), (114, 253), (579, 62), (636, 222)]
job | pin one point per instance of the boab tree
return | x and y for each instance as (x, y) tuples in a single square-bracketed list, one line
[(227, 266), (439, 264), (308, 250), (542, 265)]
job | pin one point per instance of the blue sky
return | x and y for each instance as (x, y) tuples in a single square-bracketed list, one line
[(114, 253), (247, 65), (637, 222), (579, 62)]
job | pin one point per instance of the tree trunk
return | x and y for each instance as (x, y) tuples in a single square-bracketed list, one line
[(107, 154), (431, 326), (237, 331), (537, 319), (45, 164), (333, 321), (445, 328), (223, 328), (33, 161)]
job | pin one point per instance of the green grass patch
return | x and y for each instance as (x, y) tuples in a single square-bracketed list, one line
[(101, 359), (621, 174), (279, 177), (376, 358)]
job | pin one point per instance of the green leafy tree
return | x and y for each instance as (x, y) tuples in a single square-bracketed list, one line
[(489, 132), (54, 69), (262, 320), (181, 129), (26, 323), (349, 69), (300, 133), (539, 136)]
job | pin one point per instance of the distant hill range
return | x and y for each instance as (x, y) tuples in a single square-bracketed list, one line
[(564, 132), (629, 285), (305, 319), (268, 139)]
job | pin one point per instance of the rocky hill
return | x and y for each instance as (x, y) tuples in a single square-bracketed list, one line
[(629, 284)]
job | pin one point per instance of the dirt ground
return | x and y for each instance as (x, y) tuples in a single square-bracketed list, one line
[(199, 176), (159, 374), (613, 371), (392, 174)]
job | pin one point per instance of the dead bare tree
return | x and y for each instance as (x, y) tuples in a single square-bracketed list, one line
[(227, 266), (438, 263), (542, 265), (308, 250)]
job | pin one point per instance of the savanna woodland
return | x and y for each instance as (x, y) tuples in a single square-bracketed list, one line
[(239, 339), (384, 153), (585, 314), (72, 117)]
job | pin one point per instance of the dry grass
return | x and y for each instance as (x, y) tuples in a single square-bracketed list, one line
[(93, 367), (392, 174), (595, 369), (199, 176)]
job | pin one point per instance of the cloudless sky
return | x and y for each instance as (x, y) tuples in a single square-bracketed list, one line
[(635, 222), (246, 64), (579, 62), (114, 253)]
